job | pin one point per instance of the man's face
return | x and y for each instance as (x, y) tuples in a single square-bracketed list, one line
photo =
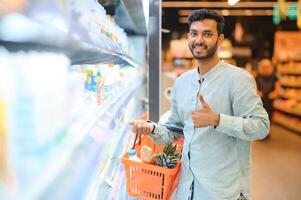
[(203, 39)]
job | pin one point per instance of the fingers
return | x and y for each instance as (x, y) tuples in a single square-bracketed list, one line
[(134, 127), (202, 101), (141, 127), (195, 115)]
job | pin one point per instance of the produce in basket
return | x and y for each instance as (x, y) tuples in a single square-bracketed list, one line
[(169, 158)]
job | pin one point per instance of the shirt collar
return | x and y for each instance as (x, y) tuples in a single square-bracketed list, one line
[(208, 75)]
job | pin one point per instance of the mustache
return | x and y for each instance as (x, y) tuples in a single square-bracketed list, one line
[(200, 45)]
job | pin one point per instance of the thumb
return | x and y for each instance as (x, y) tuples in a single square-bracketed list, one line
[(202, 100)]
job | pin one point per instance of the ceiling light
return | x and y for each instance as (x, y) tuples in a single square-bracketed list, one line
[(164, 30), (232, 2)]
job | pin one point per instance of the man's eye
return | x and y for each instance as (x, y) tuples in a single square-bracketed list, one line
[(193, 34), (208, 34)]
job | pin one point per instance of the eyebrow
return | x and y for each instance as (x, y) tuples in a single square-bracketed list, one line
[(207, 30)]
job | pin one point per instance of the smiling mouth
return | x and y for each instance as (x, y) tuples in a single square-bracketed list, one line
[(199, 47)]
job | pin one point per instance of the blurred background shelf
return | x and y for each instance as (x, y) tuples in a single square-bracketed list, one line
[(288, 110), (293, 85), (289, 122)]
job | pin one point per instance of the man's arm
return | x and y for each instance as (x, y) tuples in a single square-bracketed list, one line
[(162, 133), (250, 120), (173, 128)]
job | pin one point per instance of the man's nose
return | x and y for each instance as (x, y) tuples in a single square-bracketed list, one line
[(200, 38)]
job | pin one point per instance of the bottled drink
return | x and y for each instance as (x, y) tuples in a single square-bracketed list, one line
[(133, 156)]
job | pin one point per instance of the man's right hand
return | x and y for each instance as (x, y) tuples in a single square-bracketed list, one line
[(142, 127)]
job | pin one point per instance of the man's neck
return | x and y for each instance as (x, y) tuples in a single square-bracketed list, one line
[(205, 65)]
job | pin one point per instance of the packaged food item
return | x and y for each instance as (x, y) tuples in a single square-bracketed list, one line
[(147, 154)]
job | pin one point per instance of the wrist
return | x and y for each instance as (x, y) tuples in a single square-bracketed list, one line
[(216, 119), (153, 128)]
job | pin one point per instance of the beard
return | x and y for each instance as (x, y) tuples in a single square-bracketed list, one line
[(209, 52)]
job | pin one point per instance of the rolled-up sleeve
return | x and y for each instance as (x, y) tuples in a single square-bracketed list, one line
[(173, 128), (250, 120)]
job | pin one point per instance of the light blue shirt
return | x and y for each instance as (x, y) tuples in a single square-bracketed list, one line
[(220, 157)]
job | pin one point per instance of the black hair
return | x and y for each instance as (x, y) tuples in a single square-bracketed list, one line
[(203, 13)]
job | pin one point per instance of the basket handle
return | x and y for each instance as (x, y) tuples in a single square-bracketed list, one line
[(145, 117), (139, 141), (136, 136)]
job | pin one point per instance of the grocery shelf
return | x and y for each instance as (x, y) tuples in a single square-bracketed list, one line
[(103, 181), (293, 85), (287, 110), (79, 164), (109, 179), (47, 38), (297, 98), (294, 59), (79, 143), (289, 72), (287, 125), (77, 55), (291, 68), (130, 16)]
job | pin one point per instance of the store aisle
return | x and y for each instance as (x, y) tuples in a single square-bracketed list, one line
[(277, 166)]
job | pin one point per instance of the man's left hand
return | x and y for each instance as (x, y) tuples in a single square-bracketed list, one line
[(204, 116)]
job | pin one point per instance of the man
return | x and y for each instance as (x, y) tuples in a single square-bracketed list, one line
[(216, 109)]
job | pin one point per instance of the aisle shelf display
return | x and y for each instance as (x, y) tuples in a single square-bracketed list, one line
[(101, 157), (81, 162), (288, 106), (291, 93), (54, 27), (291, 81), (83, 142), (77, 55), (290, 68), (289, 122), (78, 140)]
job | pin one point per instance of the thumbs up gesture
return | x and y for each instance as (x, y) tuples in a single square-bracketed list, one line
[(204, 116)]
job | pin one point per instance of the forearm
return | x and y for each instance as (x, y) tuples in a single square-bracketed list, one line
[(245, 128), (164, 134)]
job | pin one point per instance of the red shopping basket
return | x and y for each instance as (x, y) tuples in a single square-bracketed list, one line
[(147, 181)]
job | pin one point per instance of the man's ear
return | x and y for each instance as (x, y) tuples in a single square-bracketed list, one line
[(220, 39)]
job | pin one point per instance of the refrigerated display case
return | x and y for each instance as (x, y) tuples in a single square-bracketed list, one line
[(69, 85)]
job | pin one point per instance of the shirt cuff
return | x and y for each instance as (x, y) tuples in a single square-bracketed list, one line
[(225, 123), (155, 131)]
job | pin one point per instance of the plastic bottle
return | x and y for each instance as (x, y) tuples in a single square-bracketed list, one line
[(109, 82), (133, 156), (99, 88)]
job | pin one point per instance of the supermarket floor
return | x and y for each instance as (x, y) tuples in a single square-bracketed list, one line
[(277, 166)]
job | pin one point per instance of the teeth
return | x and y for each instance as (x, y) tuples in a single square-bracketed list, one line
[(201, 47)]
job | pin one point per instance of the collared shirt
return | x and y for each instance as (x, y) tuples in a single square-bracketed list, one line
[(216, 159)]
